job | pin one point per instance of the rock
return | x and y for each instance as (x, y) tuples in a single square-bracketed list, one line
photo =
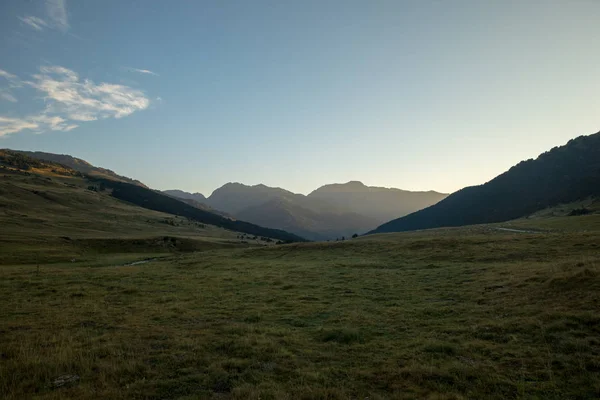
[(65, 380)]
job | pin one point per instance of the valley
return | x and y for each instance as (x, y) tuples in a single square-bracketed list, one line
[(114, 290), (299, 200), (327, 213)]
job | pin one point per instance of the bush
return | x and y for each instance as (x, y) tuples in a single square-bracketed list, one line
[(579, 211)]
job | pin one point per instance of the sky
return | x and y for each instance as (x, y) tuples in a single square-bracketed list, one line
[(418, 95)]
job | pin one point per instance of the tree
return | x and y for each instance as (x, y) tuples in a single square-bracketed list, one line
[(354, 236)]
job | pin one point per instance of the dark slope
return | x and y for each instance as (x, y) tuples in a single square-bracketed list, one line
[(157, 201), (561, 175), (199, 197), (79, 165), (194, 199)]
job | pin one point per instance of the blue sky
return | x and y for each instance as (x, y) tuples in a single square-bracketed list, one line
[(417, 95)]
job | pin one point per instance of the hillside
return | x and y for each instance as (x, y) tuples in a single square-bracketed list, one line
[(49, 214), (65, 200), (561, 175), (79, 165), (157, 201), (194, 199), (199, 197)]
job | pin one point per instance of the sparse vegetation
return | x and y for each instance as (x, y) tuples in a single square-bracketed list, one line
[(106, 299), (580, 211), (455, 313)]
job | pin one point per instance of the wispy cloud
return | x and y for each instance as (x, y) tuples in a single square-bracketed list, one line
[(13, 82), (5, 95), (57, 17), (84, 100), (36, 23), (38, 124), (14, 125), (142, 71), (70, 100), (7, 75)]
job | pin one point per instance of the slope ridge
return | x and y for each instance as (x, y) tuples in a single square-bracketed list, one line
[(561, 175), (79, 165)]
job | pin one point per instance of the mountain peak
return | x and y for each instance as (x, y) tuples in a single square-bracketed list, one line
[(351, 186), (355, 184)]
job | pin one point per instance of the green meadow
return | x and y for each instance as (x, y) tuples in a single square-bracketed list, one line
[(466, 313)]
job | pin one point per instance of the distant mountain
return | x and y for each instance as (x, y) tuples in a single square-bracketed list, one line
[(157, 201), (329, 212), (79, 165), (199, 197), (194, 199), (235, 197), (134, 194), (561, 175), (286, 214), (378, 203)]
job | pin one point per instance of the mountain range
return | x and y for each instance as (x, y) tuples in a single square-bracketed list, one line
[(52, 189), (561, 175), (329, 212)]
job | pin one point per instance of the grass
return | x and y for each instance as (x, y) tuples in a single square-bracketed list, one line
[(455, 313), (444, 314), (50, 218)]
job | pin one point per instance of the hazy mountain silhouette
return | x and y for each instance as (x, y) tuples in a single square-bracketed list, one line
[(235, 197), (286, 214), (79, 165), (194, 199), (199, 197), (561, 175), (329, 212), (378, 203), (158, 201)]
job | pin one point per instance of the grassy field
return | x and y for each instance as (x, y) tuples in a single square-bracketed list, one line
[(47, 217), (467, 313)]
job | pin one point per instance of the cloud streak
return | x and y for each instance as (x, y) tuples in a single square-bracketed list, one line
[(142, 71), (5, 95), (36, 23), (13, 82), (70, 101), (7, 75)]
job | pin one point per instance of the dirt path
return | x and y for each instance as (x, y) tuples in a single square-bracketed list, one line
[(516, 230)]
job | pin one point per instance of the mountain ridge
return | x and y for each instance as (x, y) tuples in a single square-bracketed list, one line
[(15, 161), (560, 175), (330, 211), (79, 164)]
